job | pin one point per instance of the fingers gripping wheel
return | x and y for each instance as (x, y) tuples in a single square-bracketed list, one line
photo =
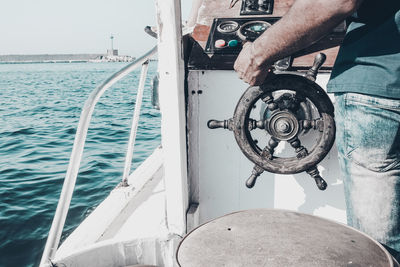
[(287, 101)]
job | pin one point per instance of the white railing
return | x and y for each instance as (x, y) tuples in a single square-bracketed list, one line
[(135, 121), (57, 226)]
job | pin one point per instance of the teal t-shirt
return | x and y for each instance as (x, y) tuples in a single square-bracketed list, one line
[(368, 61)]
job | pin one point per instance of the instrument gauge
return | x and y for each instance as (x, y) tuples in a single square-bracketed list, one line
[(252, 30), (228, 26)]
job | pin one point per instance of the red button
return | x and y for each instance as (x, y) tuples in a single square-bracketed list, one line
[(220, 43)]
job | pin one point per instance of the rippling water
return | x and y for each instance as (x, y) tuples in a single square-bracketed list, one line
[(40, 105)]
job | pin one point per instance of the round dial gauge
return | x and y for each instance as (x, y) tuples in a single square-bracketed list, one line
[(252, 30), (228, 26)]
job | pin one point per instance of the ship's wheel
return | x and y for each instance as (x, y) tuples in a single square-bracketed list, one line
[(294, 107)]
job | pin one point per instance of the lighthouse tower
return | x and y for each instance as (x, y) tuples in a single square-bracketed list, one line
[(112, 52)]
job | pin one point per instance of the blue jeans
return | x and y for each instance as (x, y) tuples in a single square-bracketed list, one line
[(368, 141)]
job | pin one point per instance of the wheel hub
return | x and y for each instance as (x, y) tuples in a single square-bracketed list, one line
[(283, 125)]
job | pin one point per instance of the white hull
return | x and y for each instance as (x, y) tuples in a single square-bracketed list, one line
[(129, 227)]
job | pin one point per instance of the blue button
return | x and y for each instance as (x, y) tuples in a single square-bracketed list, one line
[(233, 43)]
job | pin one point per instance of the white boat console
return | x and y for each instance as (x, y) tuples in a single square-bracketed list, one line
[(218, 164)]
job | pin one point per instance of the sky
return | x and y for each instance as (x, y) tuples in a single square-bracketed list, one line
[(77, 26)]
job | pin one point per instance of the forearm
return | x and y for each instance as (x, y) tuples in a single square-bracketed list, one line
[(306, 22)]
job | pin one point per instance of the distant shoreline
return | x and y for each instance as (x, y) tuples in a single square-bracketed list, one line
[(43, 62), (62, 58), (55, 62)]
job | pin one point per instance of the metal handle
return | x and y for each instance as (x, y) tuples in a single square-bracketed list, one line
[(318, 61), (251, 181), (321, 184), (225, 124), (314, 173)]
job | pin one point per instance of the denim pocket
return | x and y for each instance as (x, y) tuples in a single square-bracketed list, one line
[(377, 102), (370, 131)]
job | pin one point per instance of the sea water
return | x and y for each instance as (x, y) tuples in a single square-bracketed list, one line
[(40, 106)]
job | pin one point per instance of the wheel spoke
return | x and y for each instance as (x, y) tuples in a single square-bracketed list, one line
[(253, 124), (301, 151), (269, 149), (317, 124), (287, 101), (305, 108), (272, 144), (225, 124), (269, 100), (314, 173), (251, 181)]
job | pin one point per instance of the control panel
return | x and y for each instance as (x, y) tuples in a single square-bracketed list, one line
[(228, 34), (256, 7)]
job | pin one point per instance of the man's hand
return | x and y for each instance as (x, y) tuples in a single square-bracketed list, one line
[(306, 22), (247, 68)]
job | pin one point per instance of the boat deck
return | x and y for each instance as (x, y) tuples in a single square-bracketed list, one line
[(128, 227)]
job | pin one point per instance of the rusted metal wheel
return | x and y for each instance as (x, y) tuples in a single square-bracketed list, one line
[(283, 124), (287, 97)]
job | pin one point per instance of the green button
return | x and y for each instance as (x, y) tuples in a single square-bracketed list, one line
[(233, 43)]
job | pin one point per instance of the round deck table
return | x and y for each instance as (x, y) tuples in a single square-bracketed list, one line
[(279, 238)]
